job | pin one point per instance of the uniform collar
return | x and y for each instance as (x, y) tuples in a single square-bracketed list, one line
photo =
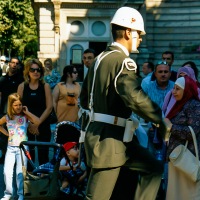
[(121, 46)]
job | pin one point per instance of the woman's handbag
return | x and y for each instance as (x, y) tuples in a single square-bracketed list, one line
[(180, 187), (185, 161)]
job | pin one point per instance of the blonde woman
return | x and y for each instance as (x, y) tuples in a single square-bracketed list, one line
[(36, 95)]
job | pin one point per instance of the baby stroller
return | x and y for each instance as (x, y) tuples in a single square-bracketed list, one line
[(45, 182), (41, 187), (67, 131)]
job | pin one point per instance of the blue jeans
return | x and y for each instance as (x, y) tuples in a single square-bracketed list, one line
[(13, 156)]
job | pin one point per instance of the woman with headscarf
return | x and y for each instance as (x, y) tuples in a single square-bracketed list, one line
[(184, 113), (169, 100), (193, 66)]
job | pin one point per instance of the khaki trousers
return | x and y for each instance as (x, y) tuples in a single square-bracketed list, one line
[(102, 181)]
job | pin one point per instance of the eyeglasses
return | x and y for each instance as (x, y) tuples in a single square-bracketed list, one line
[(162, 63), (75, 72), (35, 69)]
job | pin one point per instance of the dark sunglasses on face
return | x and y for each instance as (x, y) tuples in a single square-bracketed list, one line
[(75, 72), (35, 69)]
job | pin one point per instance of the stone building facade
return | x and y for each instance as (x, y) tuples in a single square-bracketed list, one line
[(174, 25), (67, 28)]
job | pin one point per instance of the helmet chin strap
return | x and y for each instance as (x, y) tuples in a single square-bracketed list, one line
[(134, 42)]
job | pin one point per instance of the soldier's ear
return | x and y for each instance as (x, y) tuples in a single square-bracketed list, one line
[(127, 34)]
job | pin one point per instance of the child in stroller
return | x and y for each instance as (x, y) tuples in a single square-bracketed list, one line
[(73, 174), (72, 165), (77, 175)]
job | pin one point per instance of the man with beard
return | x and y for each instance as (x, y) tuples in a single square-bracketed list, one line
[(158, 88), (157, 91), (8, 84)]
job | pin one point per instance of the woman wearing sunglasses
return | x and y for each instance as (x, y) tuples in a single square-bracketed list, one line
[(36, 95), (66, 94)]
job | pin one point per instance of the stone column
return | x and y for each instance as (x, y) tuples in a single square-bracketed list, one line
[(57, 4)]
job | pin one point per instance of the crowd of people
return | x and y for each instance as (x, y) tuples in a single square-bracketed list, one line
[(166, 100), (27, 100)]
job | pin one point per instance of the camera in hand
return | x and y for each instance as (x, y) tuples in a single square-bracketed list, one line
[(70, 99), (71, 94)]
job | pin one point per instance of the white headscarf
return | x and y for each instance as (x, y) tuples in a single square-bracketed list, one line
[(180, 82)]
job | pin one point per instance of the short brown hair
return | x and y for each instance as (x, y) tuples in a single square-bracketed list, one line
[(118, 31), (49, 60)]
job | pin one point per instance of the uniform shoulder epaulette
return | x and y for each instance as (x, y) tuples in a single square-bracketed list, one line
[(130, 65)]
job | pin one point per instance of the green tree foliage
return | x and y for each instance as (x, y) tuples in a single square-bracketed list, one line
[(18, 29)]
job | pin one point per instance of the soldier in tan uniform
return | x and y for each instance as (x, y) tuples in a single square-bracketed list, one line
[(111, 91)]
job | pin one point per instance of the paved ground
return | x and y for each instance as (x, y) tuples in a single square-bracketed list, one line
[(2, 186)]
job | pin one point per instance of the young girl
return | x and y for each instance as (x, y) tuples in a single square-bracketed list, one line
[(16, 121)]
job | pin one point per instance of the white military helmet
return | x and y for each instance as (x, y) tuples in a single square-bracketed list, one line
[(130, 18), (3, 58)]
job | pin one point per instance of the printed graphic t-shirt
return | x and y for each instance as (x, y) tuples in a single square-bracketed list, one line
[(17, 130)]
